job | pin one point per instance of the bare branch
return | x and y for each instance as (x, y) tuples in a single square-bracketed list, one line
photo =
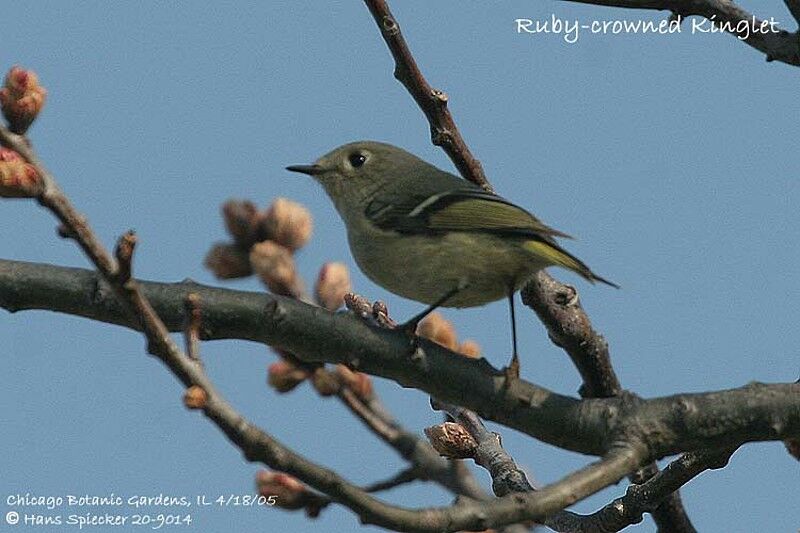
[(425, 461), (406, 475), (432, 102), (794, 9), (638, 499), (569, 327), (507, 477), (775, 43), (669, 424)]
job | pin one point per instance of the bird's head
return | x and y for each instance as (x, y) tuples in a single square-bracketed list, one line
[(353, 172)]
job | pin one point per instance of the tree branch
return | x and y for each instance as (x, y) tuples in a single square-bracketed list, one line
[(315, 335), (426, 463), (669, 424), (432, 102), (558, 307), (779, 45), (638, 499), (507, 478), (794, 9)]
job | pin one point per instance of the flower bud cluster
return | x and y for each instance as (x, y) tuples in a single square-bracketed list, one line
[(21, 99)]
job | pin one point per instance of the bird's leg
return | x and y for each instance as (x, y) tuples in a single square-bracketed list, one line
[(410, 326), (512, 370)]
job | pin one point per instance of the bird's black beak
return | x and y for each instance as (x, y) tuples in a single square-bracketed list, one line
[(311, 170)]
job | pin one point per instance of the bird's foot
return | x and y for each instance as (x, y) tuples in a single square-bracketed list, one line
[(409, 328), (511, 372)]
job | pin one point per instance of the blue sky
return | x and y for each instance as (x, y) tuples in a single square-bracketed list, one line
[(672, 158)]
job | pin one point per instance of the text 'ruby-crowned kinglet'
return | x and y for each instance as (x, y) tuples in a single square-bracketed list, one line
[(433, 237)]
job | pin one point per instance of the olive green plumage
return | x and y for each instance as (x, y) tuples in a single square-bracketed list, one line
[(420, 232)]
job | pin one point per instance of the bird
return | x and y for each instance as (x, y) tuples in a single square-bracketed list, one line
[(427, 235)]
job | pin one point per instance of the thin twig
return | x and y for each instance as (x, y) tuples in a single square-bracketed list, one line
[(406, 475), (424, 460), (432, 102), (558, 307), (638, 499), (193, 323)]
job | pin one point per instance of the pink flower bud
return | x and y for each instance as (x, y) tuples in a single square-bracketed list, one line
[(195, 397), (470, 348), (274, 265), (452, 440), (241, 218), (289, 492), (325, 383), (18, 179), (332, 284), (358, 382), (21, 99), (227, 261), (438, 329), (283, 376), (287, 223)]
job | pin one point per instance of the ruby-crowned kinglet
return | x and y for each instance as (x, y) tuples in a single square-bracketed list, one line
[(433, 237)]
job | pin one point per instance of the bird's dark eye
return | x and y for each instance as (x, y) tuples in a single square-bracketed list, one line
[(357, 159)]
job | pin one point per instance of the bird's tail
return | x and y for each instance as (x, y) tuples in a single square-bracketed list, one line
[(554, 254)]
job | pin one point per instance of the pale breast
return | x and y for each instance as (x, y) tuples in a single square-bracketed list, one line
[(424, 268)]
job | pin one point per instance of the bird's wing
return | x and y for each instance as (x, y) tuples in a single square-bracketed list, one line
[(461, 209)]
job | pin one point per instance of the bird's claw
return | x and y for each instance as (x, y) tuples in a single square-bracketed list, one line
[(511, 372)]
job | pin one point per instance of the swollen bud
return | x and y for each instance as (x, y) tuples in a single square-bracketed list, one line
[(283, 376), (325, 383), (332, 284), (470, 348), (18, 179), (358, 382), (274, 265), (195, 397), (21, 99), (240, 221), (227, 261), (452, 440), (287, 223), (438, 329), (288, 491)]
